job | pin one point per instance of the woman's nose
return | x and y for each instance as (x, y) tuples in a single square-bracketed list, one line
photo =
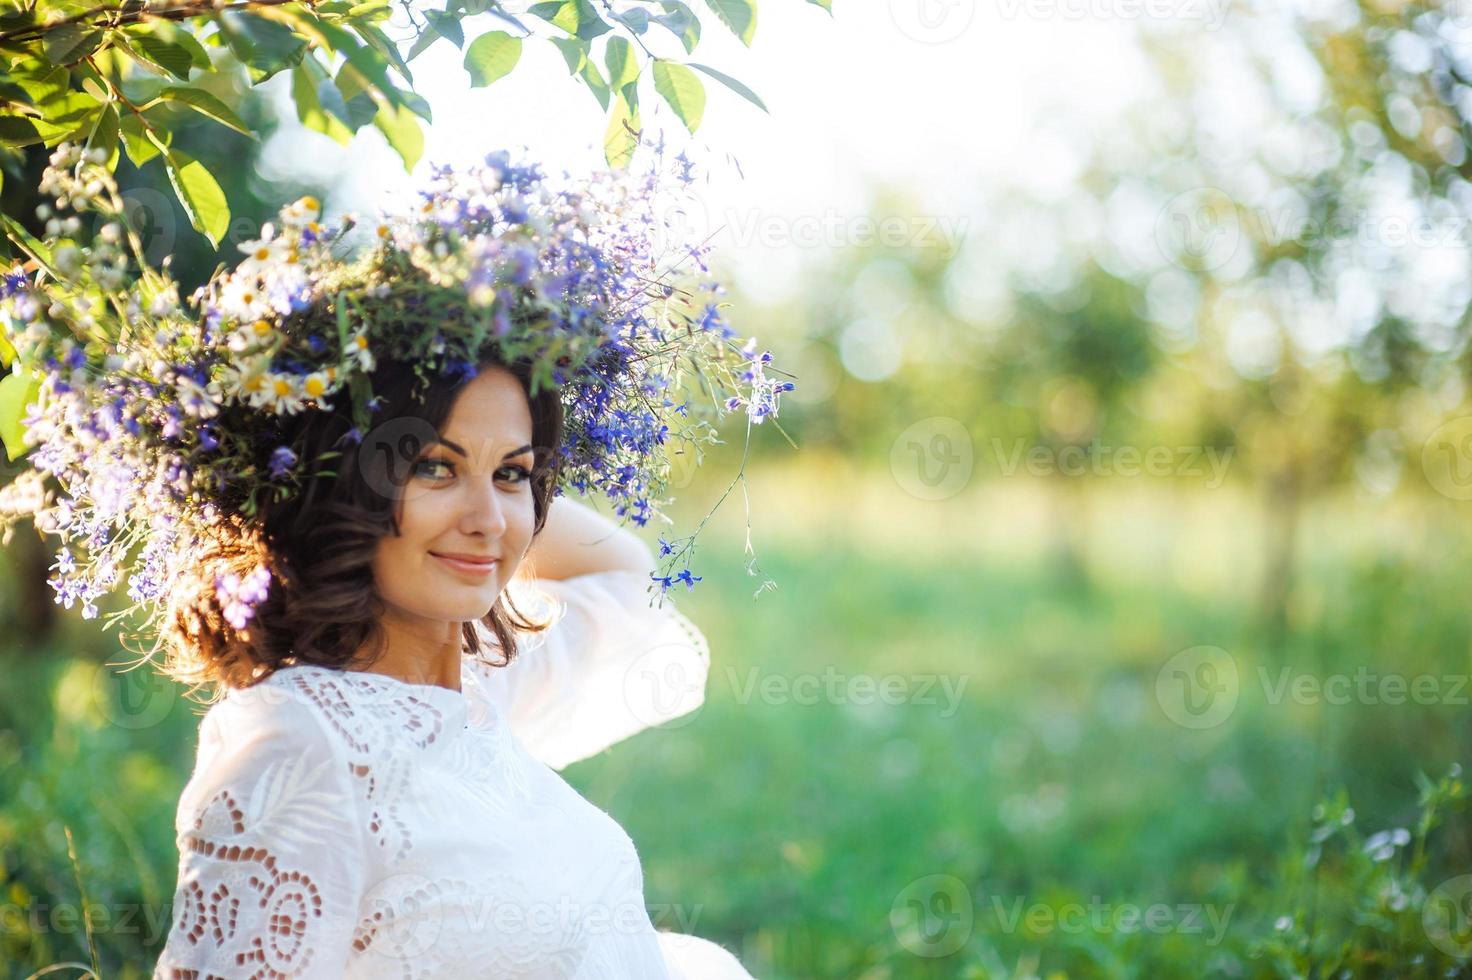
[(484, 511)]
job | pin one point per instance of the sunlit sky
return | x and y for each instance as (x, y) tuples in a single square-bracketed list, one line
[(946, 99)]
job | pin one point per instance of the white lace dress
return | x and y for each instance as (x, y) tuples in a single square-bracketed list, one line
[(348, 824)]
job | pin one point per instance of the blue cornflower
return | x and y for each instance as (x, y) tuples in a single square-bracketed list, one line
[(282, 461)]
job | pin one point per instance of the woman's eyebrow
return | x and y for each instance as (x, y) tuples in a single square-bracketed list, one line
[(456, 447)]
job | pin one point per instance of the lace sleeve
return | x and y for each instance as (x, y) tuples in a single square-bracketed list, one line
[(611, 665), (271, 860)]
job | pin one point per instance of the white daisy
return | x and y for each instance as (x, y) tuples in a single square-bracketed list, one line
[(199, 401), (258, 333), (283, 394), (357, 349), (262, 253), (243, 299), (247, 381), (316, 385)]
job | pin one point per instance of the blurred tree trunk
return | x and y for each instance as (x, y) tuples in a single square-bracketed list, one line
[(1283, 509), (35, 606), (1071, 533)]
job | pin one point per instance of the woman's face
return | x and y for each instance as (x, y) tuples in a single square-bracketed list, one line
[(469, 494)]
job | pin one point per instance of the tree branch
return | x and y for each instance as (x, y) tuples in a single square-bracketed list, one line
[(133, 13)]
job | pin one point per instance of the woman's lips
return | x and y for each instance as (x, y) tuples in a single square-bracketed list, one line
[(477, 569)]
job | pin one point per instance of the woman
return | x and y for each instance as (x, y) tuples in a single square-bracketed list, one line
[(400, 818), (321, 478)]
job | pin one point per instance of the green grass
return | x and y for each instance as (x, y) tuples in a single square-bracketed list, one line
[(791, 831)]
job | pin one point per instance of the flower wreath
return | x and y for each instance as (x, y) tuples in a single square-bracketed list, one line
[(133, 398)]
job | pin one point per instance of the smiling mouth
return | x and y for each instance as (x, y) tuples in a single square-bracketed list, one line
[(484, 567)]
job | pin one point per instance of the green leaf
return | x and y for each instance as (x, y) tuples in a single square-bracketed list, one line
[(173, 34), (70, 42), (7, 352), (140, 148), (738, 15), (43, 83), (16, 392), (738, 87), (402, 131), (576, 17), (263, 46), (361, 391), (440, 25), (635, 19), (304, 89), (166, 55), (595, 83), (574, 52), (28, 243), (71, 114), (825, 4), (447, 27), (623, 67), (491, 56), (680, 21), (17, 131), (379, 41), (200, 194), (621, 138), (353, 101), (682, 90), (368, 63), (105, 135), (189, 43), (208, 105)]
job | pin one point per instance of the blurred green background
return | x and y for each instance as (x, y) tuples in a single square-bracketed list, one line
[(1120, 627)]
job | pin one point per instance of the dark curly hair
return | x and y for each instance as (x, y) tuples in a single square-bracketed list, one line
[(323, 606)]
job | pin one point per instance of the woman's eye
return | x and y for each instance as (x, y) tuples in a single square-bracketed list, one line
[(426, 468)]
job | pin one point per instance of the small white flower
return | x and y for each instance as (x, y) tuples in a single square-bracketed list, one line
[(248, 336), (243, 300), (200, 402), (316, 385), (261, 254), (246, 381), (357, 350), (282, 394)]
